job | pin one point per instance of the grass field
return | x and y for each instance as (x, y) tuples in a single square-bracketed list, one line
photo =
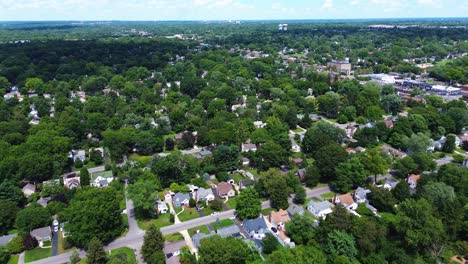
[(231, 203), (13, 259), (237, 177), (201, 229), (267, 211), (222, 223), (142, 159), (188, 214), (174, 237), (37, 254), (13, 231), (131, 259), (327, 196), (161, 221)]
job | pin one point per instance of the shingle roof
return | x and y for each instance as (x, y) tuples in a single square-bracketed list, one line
[(254, 224), (224, 188), (232, 230), (43, 232), (294, 209), (198, 237), (345, 199), (5, 239), (320, 206)]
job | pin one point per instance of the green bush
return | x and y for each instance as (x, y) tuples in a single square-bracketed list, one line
[(15, 246)]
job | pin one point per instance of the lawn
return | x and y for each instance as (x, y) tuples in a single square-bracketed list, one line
[(188, 214), (237, 177), (13, 259), (320, 185), (13, 231), (142, 159), (105, 174), (201, 229), (174, 237), (131, 259), (328, 196), (37, 254), (267, 211), (222, 223), (161, 221), (231, 203), (47, 244), (207, 210)]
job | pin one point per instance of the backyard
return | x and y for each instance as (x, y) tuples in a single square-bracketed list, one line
[(231, 203), (131, 259), (174, 237)]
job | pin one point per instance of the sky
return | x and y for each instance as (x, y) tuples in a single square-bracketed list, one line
[(33, 10)]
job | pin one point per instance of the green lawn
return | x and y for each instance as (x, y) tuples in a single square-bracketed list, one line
[(142, 159), (105, 174), (188, 214), (47, 244), (320, 185), (161, 221), (327, 196), (222, 223), (201, 229), (207, 210), (237, 177), (267, 211), (131, 259), (231, 203), (174, 237), (37, 254), (13, 259), (13, 231)]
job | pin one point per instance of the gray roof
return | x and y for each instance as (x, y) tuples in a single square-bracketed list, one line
[(301, 172), (391, 182), (5, 239), (41, 233), (320, 206), (205, 153), (173, 247), (247, 183), (228, 231), (180, 197), (253, 225), (198, 237), (295, 209), (361, 193), (202, 193)]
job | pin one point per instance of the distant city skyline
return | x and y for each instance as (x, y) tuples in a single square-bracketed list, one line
[(37, 10)]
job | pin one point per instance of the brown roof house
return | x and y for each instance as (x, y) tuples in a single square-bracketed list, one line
[(346, 200), (224, 190), (279, 219), (412, 181)]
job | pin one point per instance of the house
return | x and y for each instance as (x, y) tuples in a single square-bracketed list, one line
[(178, 137), (294, 209), (198, 237), (181, 199), (172, 251), (297, 161), (279, 219), (301, 174), (78, 155), (224, 190), (248, 147), (162, 207), (101, 181), (71, 182), (249, 175), (43, 201), (168, 195), (246, 184), (389, 123), (192, 188), (205, 195), (256, 228), (230, 180), (229, 231), (320, 209), (28, 189), (42, 234), (346, 200), (412, 181), (101, 151), (245, 161), (350, 131), (393, 152), (360, 195), (5, 239), (390, 183), (259, 124), (340, 66)]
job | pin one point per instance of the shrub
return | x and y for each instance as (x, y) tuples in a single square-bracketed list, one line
[(216, 205), (15, 246)]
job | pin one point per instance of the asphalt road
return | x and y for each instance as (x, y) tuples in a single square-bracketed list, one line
[(134, 238)]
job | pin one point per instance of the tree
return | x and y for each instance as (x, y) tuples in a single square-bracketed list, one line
[(34, 84), (405, 166), (418, 143), (192, 203), (320, 134), (32, 217), (216, 205), (95, 253), (15, 245), (144, 193), (424, 161), (248, 204), (449, 146), (349, 175), (157, 257), (370, 234), (8, 211), (29, 242), (273, 185), (298, 255), (329, 104), (300, 196), (299, 229), (342, 244), (417, 226), (312, 176), (270, 243), (271, 155), (93, 213), (74, 258), (339, 219), (8, 191), (85, 178), (4, 254), (215, 250), (375, 163), (439, 194), (401, 191), (226, 158), (382, 199), (169, 143), (327, 159), (152, 242)]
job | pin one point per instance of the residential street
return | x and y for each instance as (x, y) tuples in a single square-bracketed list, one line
[(134, 238)]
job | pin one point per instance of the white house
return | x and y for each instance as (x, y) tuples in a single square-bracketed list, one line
[(205, 195), (101, 181), (29, 189), (162, 207), (259, 124), (346, 200), (78, 155), (360, 195), (42, 234), (248, 147), (320, 209)]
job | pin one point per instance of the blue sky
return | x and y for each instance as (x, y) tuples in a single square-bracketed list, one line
[(226, 9)]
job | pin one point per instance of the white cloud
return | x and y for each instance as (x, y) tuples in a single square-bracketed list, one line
[(327, 4)]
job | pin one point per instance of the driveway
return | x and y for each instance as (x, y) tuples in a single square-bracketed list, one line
[(54, 242)]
